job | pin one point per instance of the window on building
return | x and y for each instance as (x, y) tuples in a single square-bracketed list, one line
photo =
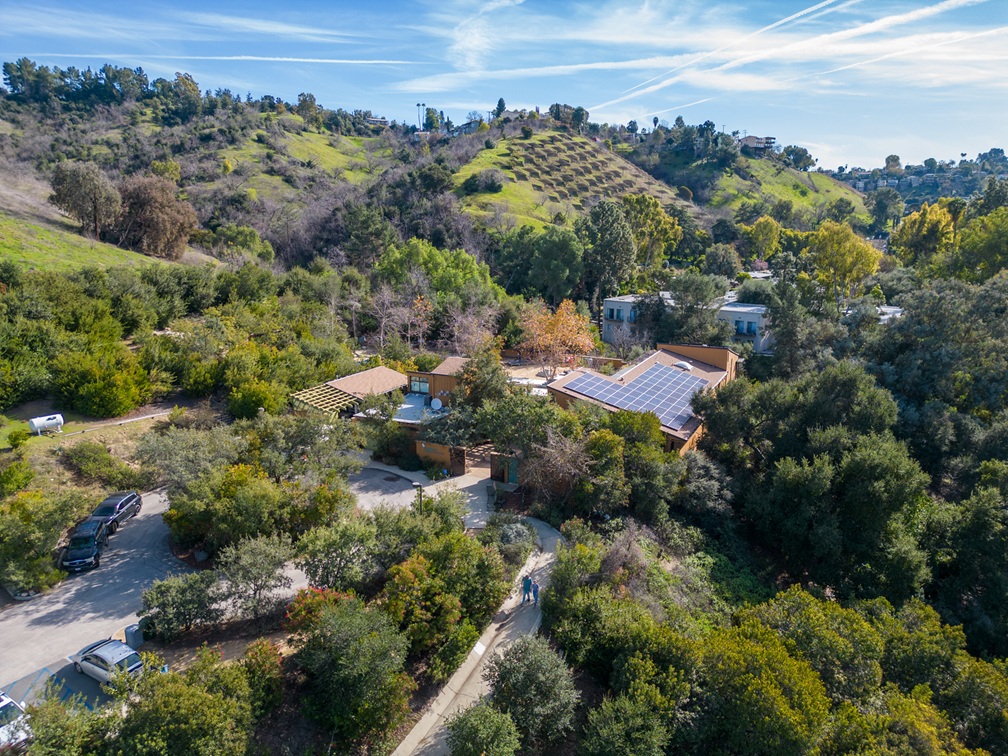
[(612, 314), (632, 317), (739, 328), (619, 313), (751, 328), (418, 385)]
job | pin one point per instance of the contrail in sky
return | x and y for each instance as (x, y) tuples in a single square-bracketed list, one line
[(756, 33), (252, 58)]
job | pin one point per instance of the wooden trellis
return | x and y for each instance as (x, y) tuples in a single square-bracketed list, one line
[(323, 398)]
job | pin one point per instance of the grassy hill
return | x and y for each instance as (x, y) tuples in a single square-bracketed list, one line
[(266, 162), (46, 246), (772, 181), (555, 172), (35, 234)]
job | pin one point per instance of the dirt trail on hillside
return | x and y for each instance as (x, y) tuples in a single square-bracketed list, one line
[(24, 195)]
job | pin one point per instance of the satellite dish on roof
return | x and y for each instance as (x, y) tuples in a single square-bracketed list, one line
[(436, 404)]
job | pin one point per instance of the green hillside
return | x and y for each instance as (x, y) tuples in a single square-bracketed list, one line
[(555, 172), (767, 179), (264, 160), (52, 248)]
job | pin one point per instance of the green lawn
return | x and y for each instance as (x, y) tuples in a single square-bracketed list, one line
[(36, 246)]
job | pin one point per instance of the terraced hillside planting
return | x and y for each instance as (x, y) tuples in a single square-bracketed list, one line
[(772, 181), (555, 172)]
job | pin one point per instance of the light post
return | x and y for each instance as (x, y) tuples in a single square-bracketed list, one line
[(419, 496)]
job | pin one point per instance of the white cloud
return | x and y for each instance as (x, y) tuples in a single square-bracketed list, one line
[(268, 27), (449, 81)]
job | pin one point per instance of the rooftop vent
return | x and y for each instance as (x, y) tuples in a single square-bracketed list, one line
[(683, 365)]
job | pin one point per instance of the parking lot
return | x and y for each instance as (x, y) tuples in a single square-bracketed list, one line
[(374, 487), (39, 635)]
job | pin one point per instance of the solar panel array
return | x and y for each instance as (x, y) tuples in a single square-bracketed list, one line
[(662, 390)]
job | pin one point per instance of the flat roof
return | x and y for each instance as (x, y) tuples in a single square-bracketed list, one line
[(752, 309)]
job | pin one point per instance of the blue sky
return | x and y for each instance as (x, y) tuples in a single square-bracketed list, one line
[(852, 80)]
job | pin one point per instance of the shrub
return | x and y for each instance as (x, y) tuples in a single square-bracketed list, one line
[(107, 383), (31, 525), (246, 399), (18, 437), (206, 709), (339, 556), (531, 683), (93, 462), (263, 664), (624, 726), (513, 538), (353, 659), (303, 612), (526, 132), (15, 477), (454, 651), (179, 603), (254, 569), (481, 730)]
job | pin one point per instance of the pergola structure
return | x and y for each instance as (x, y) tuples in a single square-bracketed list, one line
[(333, 397), (323, 398)]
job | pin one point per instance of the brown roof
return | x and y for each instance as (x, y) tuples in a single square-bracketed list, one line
[(377, 380), (450, 366)]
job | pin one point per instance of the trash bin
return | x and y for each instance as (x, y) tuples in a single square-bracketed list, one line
[(134, 636)]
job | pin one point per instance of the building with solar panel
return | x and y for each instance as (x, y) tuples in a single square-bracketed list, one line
[(664, 383)]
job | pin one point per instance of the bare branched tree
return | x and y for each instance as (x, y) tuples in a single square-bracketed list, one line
[(388, 310), (553, 470), (465, 330), (627, 340)]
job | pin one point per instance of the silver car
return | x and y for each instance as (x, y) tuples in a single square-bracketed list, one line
[(104, 658), (14, 732)]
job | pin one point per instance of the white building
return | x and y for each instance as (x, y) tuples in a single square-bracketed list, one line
[(619, 314), (750, 323)]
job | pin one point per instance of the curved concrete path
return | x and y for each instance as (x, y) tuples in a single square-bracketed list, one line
[(429, 735)]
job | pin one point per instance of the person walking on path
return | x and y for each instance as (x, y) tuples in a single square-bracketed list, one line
[(526, 588), (535, 592)]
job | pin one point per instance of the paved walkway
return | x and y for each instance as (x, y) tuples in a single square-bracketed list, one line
[(473, 484), (429, 736)]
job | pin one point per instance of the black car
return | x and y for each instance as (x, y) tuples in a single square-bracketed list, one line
[(117, 508), (86, 545)]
